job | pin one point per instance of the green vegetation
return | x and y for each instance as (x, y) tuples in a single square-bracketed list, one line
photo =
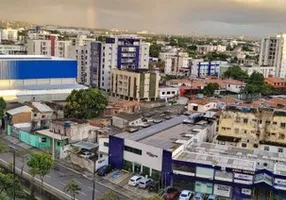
[(255, 82), (109, 195), (210, 89), (155, 50), (2, 107), (7, 185), (73, 188), (85, 104), (236, 73), (215, 56)]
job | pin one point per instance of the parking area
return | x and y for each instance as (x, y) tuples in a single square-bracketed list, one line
[(121, 178)]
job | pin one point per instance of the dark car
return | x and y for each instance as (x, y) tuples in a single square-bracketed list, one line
[(104, 170), (171, 194), (153, 186)]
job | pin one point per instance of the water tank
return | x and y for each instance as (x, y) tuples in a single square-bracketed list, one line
[(67, 124)]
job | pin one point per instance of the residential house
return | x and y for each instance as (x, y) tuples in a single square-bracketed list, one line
[(122, 106), (201, 105), (18, 115), (123, 120), (276, 82)]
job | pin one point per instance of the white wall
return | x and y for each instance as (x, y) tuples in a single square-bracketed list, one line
[(167, 92), (144, 159), (201, 108), (102, 148), (234, 88)]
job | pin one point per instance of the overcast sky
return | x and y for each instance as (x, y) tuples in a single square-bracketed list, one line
[(209, 17)]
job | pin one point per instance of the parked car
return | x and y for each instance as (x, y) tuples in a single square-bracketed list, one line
[(104, 170), (171, 194), (212, 197), (199, 196), (86, 154), (134, 180), (144, 182), (153, 186), (186, 195)]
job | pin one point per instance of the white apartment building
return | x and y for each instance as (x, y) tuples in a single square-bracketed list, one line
[(81, 40), (49, 47), (204, 49), (265, 70), (273, 54), (13, 49), (9, 34), (176, 65)]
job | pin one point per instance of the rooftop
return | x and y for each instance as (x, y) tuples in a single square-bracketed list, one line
[(18, 110), (39, 107), (30, 57), (233, 157), (274, 79), (128, 116)]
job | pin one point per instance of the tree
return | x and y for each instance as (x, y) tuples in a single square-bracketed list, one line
[(210, 89), (236, 73), (7, 184), (85, 103), (73, 188), (40, 164), (109, 195), (155, 50), (3, 106)]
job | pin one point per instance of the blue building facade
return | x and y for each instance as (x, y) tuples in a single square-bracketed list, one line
[(206, 178), (208, 69), (37, 69)]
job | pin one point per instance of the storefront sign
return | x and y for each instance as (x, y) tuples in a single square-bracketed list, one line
[(243, 178), (246, 191), (263, 178), (100, 163), (222, 190), (152, 155), (243, 171)]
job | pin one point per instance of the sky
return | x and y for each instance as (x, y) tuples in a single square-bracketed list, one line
[(206, 17)]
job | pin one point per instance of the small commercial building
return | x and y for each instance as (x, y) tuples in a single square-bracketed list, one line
[(168, 92), (122, 120)]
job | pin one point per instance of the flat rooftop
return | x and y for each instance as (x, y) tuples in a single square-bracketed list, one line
[(168, 134), (233, 157), (30, 57)]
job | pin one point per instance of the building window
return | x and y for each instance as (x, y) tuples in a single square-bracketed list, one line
[(283, 125), (43, 139), (163, 93), (59, 143), (245, 120), (266, 148), (35, 115), (106, 144), (274, 123), (133, 150), (273, 134), (280, 150), (267, 122), (244, 145), (168, 92), (236, 130), (255, 145)]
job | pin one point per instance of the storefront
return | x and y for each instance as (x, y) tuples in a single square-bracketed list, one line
[(204, 187), (222, 190)]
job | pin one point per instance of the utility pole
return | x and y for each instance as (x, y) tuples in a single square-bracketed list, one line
[(14, 171)]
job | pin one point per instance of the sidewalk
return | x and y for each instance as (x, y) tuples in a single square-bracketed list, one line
[(101, 181)]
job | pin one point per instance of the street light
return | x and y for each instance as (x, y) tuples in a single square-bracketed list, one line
[(14, 171)]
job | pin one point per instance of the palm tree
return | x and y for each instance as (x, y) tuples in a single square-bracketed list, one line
[(73, 188)]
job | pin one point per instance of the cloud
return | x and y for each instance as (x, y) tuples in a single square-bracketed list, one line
[(172, 16)]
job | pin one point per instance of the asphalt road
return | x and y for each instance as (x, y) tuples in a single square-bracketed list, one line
[(60, 176)]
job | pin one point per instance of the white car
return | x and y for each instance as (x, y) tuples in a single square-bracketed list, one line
[(186, 195), (86, 154), (134, 180)]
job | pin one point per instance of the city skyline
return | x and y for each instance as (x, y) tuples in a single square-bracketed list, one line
[(222, 17)]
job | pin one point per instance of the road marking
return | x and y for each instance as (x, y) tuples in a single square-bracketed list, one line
[(82, 193), (62, 183), (78, 182), (92, 189)]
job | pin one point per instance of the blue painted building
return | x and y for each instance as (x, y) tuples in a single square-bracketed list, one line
[(213, 68), (28, 78), (175, 153)]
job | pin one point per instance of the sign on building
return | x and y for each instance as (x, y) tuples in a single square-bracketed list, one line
[(243, 178), (222, 190), (100, 163)]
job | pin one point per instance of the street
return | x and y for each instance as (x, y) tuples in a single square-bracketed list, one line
[(60, 176)]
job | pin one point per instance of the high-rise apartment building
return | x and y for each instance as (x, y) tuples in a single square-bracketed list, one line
[(9, 34), (273, 54), (49, 46), (97, 59)]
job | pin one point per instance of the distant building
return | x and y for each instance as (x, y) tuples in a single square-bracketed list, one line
[(201, 105), (265, 70), (140, 86), (176, 65), (275, 82), (167, 93), (9, 34), (123, 120), (6, 49), (201, 68), (272, 54), (36, 78), (81, 40), (204, 49), (51, 46)]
